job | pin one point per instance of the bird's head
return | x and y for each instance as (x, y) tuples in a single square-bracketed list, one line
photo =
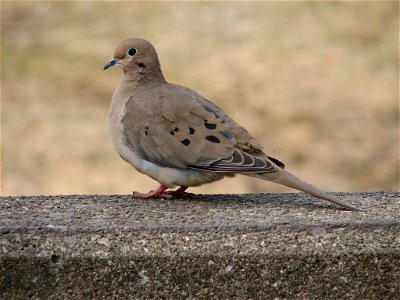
[(134, 55)]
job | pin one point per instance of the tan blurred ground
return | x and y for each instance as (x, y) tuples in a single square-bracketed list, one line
[(316, 83)]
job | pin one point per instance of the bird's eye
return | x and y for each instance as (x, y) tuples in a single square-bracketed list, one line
[(132, 51)]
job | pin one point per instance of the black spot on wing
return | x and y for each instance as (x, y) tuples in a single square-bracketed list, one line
[(172, 132), (213, 139), (209, 125), (185, 142), (146, 130), (191, 130)]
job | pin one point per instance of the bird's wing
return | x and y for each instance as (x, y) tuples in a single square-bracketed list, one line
[(173, 126)]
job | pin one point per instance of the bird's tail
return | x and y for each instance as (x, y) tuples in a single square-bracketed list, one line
[(288, 179)]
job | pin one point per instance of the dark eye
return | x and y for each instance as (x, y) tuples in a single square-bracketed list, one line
[(132, 51)]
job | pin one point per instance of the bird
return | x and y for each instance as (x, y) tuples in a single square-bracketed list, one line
[(178, 137)]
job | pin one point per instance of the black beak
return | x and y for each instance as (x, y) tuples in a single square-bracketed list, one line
[(111, 63)]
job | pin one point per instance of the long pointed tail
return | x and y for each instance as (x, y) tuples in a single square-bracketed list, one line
[(288, 179)]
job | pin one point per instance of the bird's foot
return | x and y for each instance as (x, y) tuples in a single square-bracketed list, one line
[(161, 193), (157, 193), (180, 192)]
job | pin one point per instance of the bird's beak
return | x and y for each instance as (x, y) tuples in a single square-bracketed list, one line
[(111, 63)]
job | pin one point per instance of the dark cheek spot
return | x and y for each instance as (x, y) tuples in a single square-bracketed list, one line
[(185, 142), (141, 65), (213, 139), (191, 130), (209, 125)]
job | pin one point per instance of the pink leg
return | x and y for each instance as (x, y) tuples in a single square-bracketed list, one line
[(180, 192), (158, 192), (161, 193)]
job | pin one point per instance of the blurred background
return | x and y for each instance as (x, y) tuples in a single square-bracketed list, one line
[(316, 83)]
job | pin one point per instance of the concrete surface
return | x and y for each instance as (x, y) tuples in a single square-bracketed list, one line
[(259, 246)]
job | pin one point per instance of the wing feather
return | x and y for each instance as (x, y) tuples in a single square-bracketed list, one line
[(175, 127)]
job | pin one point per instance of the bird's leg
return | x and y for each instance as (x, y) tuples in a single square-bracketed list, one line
[(180, 192), (157, 193), (161, 192)]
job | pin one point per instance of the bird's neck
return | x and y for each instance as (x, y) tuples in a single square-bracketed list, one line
[(143, 76)]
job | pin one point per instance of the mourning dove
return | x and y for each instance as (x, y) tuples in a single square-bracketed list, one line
[(178, 137)]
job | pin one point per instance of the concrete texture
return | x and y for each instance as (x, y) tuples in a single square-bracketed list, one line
[(268, 246)]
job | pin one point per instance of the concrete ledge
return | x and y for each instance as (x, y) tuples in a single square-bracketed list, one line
[(270, 246)]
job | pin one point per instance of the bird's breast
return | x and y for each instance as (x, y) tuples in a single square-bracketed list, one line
[(115, 116)]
